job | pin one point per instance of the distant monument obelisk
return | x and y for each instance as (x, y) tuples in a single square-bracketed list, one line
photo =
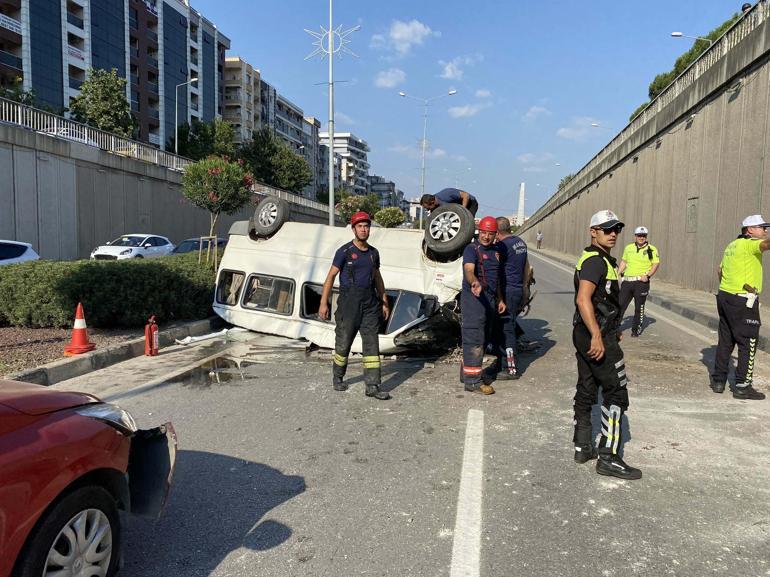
[(520, 214)]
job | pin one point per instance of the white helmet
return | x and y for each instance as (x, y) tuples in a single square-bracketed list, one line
[(641, 230)]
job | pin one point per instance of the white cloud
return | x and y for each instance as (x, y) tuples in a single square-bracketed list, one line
[(579, 130), (483, 93), (453, 70), (533, 169), (468, 110), (403, 36), (535, 112), (532, 158), (342, 118), (390, 78), (416, 151)]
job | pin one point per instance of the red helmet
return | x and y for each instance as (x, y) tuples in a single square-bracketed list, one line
[(488, 224), (360, 216)]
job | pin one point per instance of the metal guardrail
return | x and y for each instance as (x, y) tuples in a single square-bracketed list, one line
[(266, 190), (750, 21), (55, 126)]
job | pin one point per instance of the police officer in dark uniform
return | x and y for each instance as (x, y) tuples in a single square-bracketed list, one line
[(481, 300), (361, 302), (740, 283), (515, 279), (600, 361)]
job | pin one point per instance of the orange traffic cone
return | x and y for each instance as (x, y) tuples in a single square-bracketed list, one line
[(79, 342)]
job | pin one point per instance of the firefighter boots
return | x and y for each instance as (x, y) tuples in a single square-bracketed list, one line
[(374, 391)]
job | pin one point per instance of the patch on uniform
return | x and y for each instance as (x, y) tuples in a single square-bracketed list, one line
[(353, 256), (484, 257), (609, 286)]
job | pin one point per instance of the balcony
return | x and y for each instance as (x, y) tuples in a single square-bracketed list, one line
[(132, 23), (152, 35), (152, 87), (134, 79), (10, 24), (154, 113), (75, 83), (152, 61), (194, 106), (194, 59), (135, 105), (10, 60), (154, 139), (76, 21), (76, 53)]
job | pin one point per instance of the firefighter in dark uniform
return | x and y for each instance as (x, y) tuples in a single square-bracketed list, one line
[(600, 363), (639, 262), (740, 283), (515, 279), (481, 300), (361, 305)]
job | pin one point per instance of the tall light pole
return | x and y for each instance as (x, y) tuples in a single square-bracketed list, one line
[(331, 41), (176, 113), (425, 102), (680, 35)]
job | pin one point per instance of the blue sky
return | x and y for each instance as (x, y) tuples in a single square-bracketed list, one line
[(531, 78)]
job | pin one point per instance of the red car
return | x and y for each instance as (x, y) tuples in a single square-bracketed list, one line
[(68, 463)]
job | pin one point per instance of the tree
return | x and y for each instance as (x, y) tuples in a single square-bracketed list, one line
[(17, 93), (352, 203), (638, 111), (223, 138), (102, 103), (390, 217), (290, 170), (565, 181), (271, 161), (199, 139), (217, 185)]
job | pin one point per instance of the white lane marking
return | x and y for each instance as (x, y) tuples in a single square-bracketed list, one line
[(655, 308), (466, 548)]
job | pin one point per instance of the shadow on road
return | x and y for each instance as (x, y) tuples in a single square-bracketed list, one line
[(393, 375), (534, 330), (627, 322), (217, 505), (707, 356)]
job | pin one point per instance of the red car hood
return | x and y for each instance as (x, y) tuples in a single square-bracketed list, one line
[(39, 400)]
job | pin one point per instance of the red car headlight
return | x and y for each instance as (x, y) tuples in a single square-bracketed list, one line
[(110, 414)]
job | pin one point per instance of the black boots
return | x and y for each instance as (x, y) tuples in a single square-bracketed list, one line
[(338, 384), (747, 393), (374, 391), (613, 466), (584, 454), (716, 386)]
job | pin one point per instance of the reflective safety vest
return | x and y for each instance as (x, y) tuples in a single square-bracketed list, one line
[(606, 297), (742, 264)]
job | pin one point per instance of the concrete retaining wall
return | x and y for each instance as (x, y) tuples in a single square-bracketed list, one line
[(66, 197), (689, 179)]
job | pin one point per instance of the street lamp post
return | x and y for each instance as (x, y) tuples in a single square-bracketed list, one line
[(425, 102), (681, 35), (176, 113)]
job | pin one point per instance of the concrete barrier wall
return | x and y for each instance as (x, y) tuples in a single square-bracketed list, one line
[(689, 179), (66, 198)]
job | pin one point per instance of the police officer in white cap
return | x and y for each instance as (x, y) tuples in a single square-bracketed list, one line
[(600, 363), (639, 262), (740, 283)]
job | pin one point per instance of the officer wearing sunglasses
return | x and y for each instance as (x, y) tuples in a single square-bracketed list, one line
[(600, 363)]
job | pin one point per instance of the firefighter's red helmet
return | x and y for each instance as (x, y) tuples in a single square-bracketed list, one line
[(488, 224), (360, 216)]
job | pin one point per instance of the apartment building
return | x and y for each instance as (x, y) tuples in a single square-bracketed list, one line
[(311, 151), (323, 169), (354, 164), (156, 45), (242, 105)]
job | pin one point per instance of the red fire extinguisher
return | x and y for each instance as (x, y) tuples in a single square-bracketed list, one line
[(151, 337)]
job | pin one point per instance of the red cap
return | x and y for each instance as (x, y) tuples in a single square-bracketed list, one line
[(488, 224), (360, 216)]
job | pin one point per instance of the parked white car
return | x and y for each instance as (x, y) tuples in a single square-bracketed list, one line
[(12, 251), (134, 246), (271, 277)]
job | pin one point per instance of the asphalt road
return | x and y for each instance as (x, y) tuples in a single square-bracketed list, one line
[(278, 475)]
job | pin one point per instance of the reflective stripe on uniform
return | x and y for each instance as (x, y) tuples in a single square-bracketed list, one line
[(372, 362), (340, 360), (471, 370)]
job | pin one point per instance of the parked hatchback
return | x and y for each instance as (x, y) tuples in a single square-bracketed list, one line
[(134, 246), (12, 252), (68, 464), (193, 244)]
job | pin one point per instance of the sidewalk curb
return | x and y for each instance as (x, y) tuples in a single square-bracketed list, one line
[(71, 367), (708, 321)]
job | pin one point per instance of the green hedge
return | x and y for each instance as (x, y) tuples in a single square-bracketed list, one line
[(120, 293)]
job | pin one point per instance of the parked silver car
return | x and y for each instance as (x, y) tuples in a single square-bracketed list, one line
[(134, 246), (12, 251)]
